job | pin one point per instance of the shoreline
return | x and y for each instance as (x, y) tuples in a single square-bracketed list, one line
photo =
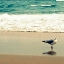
[(31, 31)]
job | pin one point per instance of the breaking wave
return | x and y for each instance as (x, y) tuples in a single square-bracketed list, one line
[(31, 22)]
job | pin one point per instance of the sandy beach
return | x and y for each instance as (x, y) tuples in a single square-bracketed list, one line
[(28, 48)]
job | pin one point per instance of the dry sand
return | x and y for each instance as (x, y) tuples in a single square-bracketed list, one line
[(7, 57), (18, 59)]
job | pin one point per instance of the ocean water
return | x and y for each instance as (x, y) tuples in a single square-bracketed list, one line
[(32, 15)]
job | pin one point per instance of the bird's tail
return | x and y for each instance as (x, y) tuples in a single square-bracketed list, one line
[(43, 41)]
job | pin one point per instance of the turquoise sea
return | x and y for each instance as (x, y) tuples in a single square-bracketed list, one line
[(31, 6)]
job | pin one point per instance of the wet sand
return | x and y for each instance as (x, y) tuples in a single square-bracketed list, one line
[(28, 48)]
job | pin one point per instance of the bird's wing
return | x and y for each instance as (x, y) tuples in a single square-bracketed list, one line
[(49, 41)]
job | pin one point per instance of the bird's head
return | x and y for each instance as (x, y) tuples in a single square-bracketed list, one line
[(55, 39)]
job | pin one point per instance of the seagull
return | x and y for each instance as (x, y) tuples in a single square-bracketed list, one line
[(51, 42)]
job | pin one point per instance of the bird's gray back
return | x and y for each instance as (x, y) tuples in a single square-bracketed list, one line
[(49, 41)]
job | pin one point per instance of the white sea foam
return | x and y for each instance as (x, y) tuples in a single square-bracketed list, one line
[(39, 22), (34, 5), (45, 5)]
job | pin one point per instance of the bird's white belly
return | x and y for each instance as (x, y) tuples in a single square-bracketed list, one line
[(53, 43)]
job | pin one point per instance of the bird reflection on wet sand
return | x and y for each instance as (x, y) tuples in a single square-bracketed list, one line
[(50, 53)]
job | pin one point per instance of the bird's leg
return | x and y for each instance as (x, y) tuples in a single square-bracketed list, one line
[(51, 47)]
